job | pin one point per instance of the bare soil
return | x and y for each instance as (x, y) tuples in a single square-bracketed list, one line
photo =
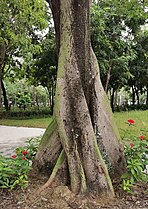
[(62, 198)]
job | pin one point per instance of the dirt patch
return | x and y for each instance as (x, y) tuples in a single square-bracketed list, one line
[(62, 198)]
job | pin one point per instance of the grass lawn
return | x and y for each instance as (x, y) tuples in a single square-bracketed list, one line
[(140, 127), (34, 122)]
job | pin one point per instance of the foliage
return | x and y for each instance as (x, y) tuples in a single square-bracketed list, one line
[(28, 113), (32, 146), (21, 24), (14, 171), (120, 44), (23, 93), (136, 155), (44, 70), (116, 35), (23, 99), (139, 66), (133, 107), (19, 21), (112, 49)]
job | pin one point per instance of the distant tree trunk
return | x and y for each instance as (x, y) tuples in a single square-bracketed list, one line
[(133, 95), (37, 101), (108, 76), (116, 106), (82, 136), (6, 103), (137, 95), (147, 95), (0, 91), (112, 99), (52, 96), (2, 62)]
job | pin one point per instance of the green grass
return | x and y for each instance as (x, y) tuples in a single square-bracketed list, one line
[(34, 122), (132, 131)]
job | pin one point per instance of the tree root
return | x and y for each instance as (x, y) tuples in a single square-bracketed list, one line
[(104, 167), (58, 164)]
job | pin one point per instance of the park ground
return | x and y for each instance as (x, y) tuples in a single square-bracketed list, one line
[(61, 197)]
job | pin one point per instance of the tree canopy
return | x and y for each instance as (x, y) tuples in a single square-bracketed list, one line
[(28, 51), (20, 24), (115, 27)]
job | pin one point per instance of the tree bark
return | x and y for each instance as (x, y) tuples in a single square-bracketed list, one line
[(2, 60), (147, 95), (112, 99), (52, 96), (6, 103), (133, 95), (83, 127), (108, 76), (137, 95)]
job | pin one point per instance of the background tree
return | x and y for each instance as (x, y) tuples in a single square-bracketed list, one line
[(139, 67), (44, 69), (19, 22), (82, 135), (112, 51), (114, 26)]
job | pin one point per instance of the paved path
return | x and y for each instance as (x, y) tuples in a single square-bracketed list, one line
[(12, 137)]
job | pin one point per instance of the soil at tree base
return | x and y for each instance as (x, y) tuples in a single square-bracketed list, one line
[(62, 198)]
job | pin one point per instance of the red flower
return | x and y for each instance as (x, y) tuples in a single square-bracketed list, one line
[(142, 137), (14, 156), (23, 158), (131, 145), (131, 122), (24, 152)]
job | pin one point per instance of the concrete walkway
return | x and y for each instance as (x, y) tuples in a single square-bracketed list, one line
[(13, 137)]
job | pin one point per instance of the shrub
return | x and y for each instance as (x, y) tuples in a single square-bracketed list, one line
[(131, 107), (136, 154), (28, 113), (32, 147), (14, 171)]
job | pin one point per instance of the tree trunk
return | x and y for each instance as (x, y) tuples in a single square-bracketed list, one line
[(2, 60), (6, 103), (37, 101), (112, 99), (0, 91), (82, 125), (51, 95), (133, 95), (137, 95), (147, 95), (108, 76)]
